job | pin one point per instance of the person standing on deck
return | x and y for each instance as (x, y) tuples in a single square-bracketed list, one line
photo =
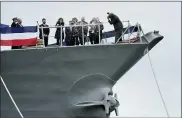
[(75, 33), (46, 32), (69, 39), (82, 35), (92, 31), (97, 30), (118, 25), (13, 25), (60, 22), (15, 22)]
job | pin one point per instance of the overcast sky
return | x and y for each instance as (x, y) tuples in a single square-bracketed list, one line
[(136, 90)]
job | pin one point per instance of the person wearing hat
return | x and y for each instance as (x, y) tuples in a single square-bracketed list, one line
[(46, 32), (118, 25), (15, 24)]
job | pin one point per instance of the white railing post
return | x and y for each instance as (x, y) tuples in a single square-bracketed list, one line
[(43, 37), (128, 32), (83, 34), (122, 34), (37, 35), (99, 34), (61, 36), (132, 31)]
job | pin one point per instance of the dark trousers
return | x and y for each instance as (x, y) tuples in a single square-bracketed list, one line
[(94, 38), (45, 41), (81, 39), (16, 47), (68, 40), (59, 39), (71, 40), (118, 34), (75, 40)]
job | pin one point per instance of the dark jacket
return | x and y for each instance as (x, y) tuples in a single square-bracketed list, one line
[(58, 31), (68, 31), (115, 21), (46, 31), (71, 33), (75, 31), (14, 24), (85, 28)]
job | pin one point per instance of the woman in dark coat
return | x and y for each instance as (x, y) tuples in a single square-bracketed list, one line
[(60, 22)]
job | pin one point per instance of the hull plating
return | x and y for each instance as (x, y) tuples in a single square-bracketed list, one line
[(49, 82)]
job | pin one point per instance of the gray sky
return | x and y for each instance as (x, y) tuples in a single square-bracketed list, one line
[(136, 90)]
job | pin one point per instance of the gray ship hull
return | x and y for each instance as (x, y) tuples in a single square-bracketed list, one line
[(49, 82)]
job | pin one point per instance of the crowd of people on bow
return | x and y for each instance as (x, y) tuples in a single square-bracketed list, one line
[(78, 32)]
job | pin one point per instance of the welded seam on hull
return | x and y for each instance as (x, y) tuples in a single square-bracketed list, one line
[(11, 97), (87, 76)]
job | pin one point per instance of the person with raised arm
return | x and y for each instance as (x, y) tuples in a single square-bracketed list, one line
[(118, 25)]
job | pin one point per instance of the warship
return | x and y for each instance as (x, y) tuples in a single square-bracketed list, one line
[(69, 81)]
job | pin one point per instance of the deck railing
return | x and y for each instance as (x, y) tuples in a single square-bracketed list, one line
[(126, 31)]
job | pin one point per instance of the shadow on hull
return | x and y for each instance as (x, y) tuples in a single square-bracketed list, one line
[(49, 82)]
